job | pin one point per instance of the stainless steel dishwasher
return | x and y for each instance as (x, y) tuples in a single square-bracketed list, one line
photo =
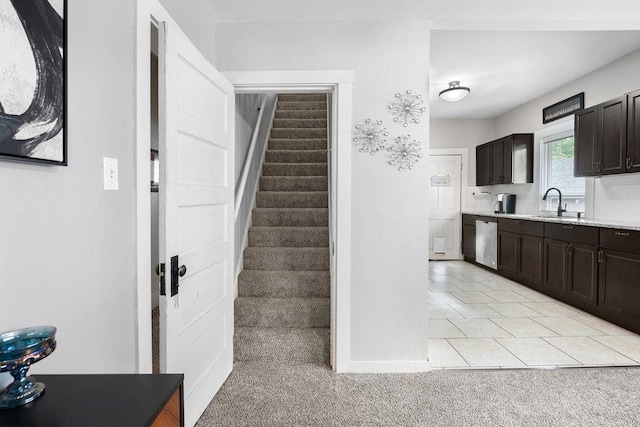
[(487, 242)]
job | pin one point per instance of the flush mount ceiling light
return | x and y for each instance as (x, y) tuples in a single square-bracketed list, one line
[(455, 92)]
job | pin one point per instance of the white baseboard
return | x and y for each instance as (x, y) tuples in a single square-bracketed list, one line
[(389, 366)]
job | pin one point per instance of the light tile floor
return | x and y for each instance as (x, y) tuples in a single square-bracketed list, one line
[(478, 319)]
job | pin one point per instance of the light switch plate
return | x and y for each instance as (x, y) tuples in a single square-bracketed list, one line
[(110, 167)]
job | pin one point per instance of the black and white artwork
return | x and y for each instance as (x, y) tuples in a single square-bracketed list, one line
[(32, 81)]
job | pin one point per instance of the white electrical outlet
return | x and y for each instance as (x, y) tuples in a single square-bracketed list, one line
[(110, 168)]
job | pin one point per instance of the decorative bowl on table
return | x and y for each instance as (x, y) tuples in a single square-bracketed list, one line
[(19, 350)]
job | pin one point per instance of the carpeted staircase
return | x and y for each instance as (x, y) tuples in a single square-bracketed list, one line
[(282, 311)]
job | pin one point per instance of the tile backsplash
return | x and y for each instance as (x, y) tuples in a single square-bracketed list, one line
[(613, 198), (616, 197)]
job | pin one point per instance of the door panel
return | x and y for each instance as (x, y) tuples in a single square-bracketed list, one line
[(633, 132), (613, 140), (619, 289), (585, 142), (444, 207), (196, 219), (497, 154), (555, 265), (507, 253), (530, 260), (583, 272)]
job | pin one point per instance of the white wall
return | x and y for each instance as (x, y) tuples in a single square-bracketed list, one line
[(612, 197), (466, 134), (389, 208), (67, 246), (196, 20)]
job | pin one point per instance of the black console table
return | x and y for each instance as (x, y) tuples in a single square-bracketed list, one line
[(102, 400)]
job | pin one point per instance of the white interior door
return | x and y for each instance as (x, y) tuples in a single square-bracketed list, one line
[(196, 219), (444, 207)]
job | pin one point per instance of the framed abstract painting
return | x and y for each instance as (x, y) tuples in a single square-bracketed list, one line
[(32, 81)]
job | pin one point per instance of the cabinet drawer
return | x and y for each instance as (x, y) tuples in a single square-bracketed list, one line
[(521, 226), (620, 240), (572, 233), (468, 219)]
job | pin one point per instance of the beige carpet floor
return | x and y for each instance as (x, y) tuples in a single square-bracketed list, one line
[(264, 394)]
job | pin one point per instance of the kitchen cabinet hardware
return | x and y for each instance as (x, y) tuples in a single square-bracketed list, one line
[(622, 233)]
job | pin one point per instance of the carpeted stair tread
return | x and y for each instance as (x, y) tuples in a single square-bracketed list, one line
[(283, 258), (282, 284), (292, 199), (302, 237), (296, 156), (309, 345), (302, 97), (294, 169), (301, 114), (294, 183), (300, 123), (298, 133), (282, 312), (291, 217), (304, 105), (298, 144)]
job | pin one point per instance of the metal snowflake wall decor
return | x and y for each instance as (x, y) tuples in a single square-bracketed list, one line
[(370, 136), (407, 108), (405, 153)]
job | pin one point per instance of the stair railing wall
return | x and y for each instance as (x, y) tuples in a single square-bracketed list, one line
[(251, 157)]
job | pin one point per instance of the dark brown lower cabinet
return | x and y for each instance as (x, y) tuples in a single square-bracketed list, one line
[(520, 257), (570, 272), (530, 260), (555, 266), (619, 291), (469, 242), (582, 281), (508, 254)]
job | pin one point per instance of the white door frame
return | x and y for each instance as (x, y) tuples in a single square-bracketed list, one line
[(339, 83), (464, 173)]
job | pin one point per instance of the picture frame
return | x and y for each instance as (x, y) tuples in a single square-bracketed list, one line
[(33, 75), (563, 108)]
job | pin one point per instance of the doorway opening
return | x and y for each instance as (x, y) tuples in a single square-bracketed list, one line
[(154, 213), (445, 206), (282, 312), (339, 84)]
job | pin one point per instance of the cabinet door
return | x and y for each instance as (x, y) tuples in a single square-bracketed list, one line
[(582, 280), (483, 164), (507, 159), (530, 257), (496, 162), (611, 145), (507, 253), (632, 161), (619, 288), (555, 265), (469, 242), (585, 142)]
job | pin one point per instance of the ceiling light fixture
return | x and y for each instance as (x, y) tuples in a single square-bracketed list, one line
[(455, 92)]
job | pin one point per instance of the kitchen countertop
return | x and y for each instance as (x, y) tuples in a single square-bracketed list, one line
[(564, 220)]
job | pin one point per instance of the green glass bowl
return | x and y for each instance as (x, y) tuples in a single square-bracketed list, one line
[(19, 350)]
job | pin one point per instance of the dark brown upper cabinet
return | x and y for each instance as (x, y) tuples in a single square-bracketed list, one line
[(508, 160), (632, 162), (484, 173), (607, 137)]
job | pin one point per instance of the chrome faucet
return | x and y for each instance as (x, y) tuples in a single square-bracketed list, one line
[(560, 210)]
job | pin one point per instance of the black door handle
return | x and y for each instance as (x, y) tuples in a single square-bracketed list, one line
[(182, 270)]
